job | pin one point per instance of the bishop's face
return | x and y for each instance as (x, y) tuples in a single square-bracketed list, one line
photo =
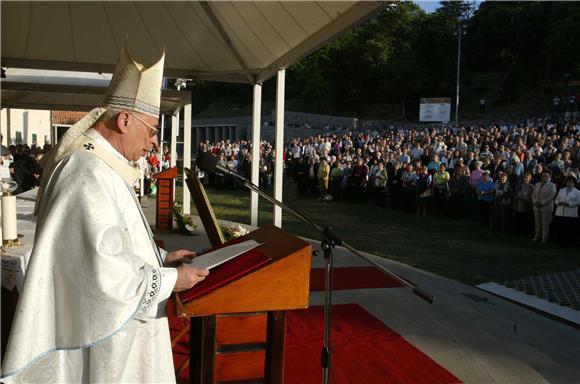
[(141, 135)]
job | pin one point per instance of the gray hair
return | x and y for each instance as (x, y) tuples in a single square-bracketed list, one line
[(110, 113)]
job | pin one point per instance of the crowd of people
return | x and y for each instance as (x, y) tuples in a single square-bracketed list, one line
[(155, 161), (515, 176), (21, 163)]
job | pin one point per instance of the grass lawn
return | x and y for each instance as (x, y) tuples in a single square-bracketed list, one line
[(456, 249)]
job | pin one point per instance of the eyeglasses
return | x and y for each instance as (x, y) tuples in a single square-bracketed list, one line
[(152, 130)]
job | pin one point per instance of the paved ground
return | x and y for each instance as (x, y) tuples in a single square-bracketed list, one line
[(479, 337), (562, 288)]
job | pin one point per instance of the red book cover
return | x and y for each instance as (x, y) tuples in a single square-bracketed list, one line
[(226, 273)]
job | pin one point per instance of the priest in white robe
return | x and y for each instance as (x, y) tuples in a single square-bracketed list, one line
[(92, 306)]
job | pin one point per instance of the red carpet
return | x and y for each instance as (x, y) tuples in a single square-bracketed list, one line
[(352, 278), (363, 350)]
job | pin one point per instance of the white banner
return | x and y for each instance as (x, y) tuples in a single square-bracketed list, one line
[(435, 109)]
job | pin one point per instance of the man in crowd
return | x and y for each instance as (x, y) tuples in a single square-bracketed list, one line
[(543, 203), (503, 202), (486, 196), (92, 306)]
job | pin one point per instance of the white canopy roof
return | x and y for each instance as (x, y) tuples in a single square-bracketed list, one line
[(61, 90), (233, 41)]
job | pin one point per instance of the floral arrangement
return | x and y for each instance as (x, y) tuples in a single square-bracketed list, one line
[(184, 223), (232, 231)]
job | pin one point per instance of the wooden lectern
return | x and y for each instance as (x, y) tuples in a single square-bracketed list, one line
[(164, 213), (237, 331)]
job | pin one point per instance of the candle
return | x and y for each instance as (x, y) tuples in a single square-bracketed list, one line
[(9, 226), (1, 238)]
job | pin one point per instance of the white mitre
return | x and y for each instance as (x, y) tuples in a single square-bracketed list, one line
[(133, 87)]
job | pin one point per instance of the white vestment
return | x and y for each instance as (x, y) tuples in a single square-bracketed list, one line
[(91, 309)]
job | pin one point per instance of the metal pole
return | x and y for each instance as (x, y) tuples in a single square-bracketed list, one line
[(326, 349), (459, 33)]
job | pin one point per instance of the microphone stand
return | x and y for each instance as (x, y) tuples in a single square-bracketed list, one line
[(328, 242)]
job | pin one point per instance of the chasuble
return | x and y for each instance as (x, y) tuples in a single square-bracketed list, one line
[(92, 306)]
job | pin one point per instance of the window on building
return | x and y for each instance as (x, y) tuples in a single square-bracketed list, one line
[(18, 138), (34, 139)]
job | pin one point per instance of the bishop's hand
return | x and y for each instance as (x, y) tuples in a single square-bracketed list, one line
[(187, 277), (176, 258)]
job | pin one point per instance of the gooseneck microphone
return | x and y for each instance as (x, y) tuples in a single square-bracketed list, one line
[(207, 162)]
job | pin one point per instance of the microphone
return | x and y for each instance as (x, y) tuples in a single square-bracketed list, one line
[(206, 162), (209, 163)]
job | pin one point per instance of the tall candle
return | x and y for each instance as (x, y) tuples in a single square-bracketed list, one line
[(1, 238), (9, 226)]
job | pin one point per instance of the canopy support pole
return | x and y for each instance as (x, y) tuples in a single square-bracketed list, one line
[(256, 126), (186, 149), (279, 146)]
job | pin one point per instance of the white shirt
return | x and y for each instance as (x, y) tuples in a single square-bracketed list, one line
[(570, 196)]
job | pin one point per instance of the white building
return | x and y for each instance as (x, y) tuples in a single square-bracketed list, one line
[(26, 126)]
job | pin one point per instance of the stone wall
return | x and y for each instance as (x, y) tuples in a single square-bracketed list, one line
[(297, 124)]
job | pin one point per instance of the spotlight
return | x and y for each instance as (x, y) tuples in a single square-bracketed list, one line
[(181, 83)]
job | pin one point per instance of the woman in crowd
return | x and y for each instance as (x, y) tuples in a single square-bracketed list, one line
[(566, 228), (476, 175), (518, 168), (323, 177), (440, 189)]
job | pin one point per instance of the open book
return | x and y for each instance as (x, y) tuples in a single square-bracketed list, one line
[(228, 264), (221, 255)]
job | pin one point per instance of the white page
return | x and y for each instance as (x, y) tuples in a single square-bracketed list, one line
[(220, 256)]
